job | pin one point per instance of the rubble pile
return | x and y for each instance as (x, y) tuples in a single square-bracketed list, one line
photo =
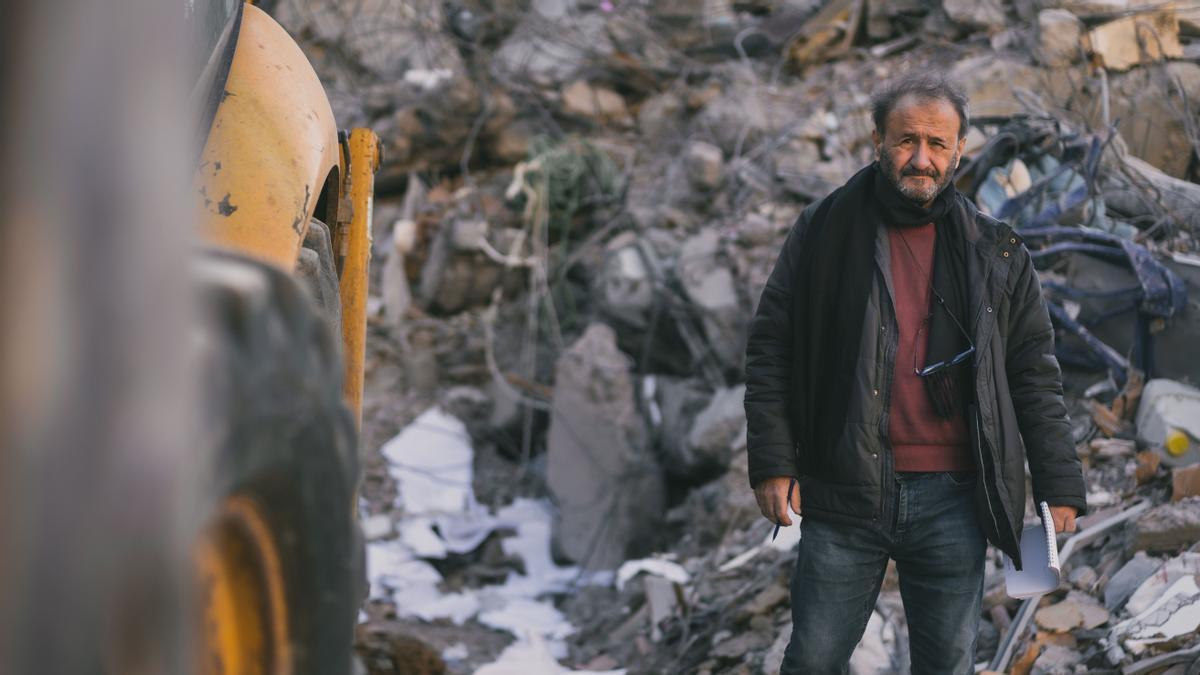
[(579, 205)]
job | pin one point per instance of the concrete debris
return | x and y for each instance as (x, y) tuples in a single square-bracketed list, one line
[(1083, 577), (679, 401), (1148, 462), (985, 15), (1127, 580), (719, 430), (770, 598), (579, 206), (875, 652), (659, 115), (1059, 35), (1169, 527), (599, 466), (711, 288), (1078, 610), (1056, 660), (990, 82), (829, 33), (663, 598), (1185, 564), (773, 658), (1172, 620), (626, 288), (1132, 40), (459, 273), (1185, 482), (597, 103), (378, 526), (1112, 448), (703, 163), (550, 57), (737, 646)]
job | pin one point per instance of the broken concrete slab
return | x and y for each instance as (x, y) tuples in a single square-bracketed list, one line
[(1077, 610), (1127, 579), (1147, 102), (710, 287), (1170, 621), (1185, 564), (600, 468), (987, 15), (719, 429), (1134, 40), (989, 83), (1059, 34), (1168, 527), (547, 58)]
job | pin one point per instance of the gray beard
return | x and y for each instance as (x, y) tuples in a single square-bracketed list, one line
[(917, 196)]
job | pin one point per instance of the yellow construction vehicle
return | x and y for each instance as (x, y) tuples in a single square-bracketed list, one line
[(286, 218)]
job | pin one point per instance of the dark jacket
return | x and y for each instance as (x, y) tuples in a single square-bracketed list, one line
[(1020, 413)]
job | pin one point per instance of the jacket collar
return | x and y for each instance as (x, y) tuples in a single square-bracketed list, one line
[(982, 231)]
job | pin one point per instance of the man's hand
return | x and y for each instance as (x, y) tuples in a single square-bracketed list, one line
[(1063, 517), (771, 494)]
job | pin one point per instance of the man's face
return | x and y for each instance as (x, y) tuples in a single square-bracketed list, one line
[(920, 148)]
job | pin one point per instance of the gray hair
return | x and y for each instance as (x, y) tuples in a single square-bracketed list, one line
[(925, 86)]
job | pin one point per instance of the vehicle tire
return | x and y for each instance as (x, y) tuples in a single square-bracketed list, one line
[(280, 560)]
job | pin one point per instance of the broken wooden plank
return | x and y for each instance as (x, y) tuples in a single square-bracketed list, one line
[(828, 34)]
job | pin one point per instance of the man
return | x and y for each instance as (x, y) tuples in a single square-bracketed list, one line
[(900, 371)]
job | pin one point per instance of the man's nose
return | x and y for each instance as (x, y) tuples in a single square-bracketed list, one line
[(921, 158)]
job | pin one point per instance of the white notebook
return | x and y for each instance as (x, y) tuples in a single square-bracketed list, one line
[(1039, 557)]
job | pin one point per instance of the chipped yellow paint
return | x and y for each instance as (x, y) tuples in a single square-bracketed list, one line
[(272, 143)]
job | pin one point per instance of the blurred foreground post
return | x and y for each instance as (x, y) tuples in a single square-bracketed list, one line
[(95, 400)]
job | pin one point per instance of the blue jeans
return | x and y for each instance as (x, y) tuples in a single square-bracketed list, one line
[(939, 552)]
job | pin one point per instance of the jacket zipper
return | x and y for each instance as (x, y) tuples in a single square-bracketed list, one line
[(978, 411), (983, 470)]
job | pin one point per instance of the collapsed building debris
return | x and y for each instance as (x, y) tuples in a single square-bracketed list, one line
[(578, 209)]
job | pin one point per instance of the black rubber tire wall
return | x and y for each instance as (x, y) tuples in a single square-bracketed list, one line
[(277, 430)]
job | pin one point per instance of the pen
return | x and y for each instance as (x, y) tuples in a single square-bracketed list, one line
[(791, 484)]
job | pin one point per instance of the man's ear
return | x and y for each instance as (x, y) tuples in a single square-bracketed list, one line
[(876, 140)]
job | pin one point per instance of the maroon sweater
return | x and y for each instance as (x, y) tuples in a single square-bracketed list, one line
[(921, 441)]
